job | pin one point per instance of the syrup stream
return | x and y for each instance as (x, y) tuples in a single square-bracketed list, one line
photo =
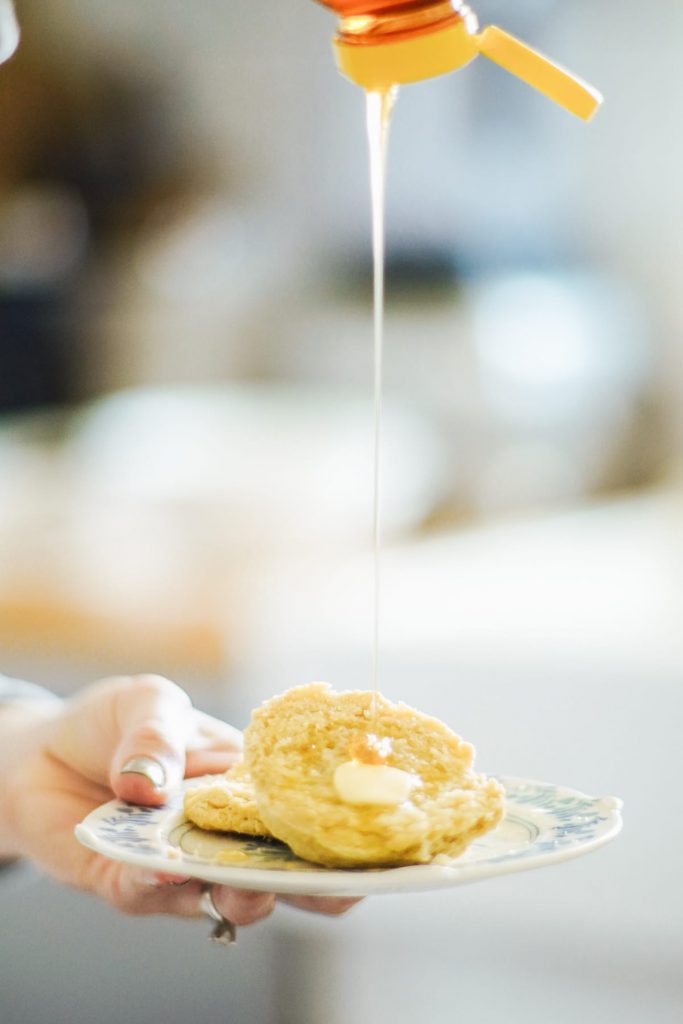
[(378, 112)]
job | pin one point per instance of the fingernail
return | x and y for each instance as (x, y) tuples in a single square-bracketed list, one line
[(148, 767), (164, 878)]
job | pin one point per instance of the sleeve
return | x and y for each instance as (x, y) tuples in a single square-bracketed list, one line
[(9, 30), (14, 689)]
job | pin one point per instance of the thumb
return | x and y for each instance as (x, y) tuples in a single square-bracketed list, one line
[(154, 717)]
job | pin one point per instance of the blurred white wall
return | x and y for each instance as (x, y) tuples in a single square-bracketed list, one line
[(543, 357)]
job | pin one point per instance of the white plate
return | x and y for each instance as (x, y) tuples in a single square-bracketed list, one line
[(543, 824)]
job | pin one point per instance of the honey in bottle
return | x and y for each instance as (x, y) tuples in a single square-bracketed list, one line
[(383, 43)]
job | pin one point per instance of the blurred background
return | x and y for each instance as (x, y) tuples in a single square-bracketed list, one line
[(186, 467)]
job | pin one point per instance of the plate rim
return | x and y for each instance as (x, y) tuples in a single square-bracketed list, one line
[(356, 882)]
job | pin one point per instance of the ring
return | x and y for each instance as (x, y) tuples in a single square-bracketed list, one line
[(224, 932)]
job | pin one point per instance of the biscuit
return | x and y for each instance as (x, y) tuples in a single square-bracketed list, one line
[(225, 803), (293, 746)]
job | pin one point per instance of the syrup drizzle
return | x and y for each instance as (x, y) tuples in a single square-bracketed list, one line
[(379, 106)]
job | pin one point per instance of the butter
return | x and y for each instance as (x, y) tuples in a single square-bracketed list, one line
[(358, 783)]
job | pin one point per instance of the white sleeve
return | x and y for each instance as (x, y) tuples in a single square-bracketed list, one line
[(15, 689), (9, 30)]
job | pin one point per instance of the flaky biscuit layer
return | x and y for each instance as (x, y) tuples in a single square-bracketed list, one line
[(225, 803)]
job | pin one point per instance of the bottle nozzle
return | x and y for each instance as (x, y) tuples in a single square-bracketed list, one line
[(403, 44)]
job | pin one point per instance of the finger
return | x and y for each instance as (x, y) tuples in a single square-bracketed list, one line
[(209, 733), (209, 762), (139, 892), (242, 906), (164, 878), (332, 906), (213, 746), (154, 717)]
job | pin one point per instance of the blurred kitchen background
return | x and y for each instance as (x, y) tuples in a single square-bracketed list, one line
[(186, 468)]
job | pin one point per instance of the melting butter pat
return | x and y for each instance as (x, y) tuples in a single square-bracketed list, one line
[(358, 783)]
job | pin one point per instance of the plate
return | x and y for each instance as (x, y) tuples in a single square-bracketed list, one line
[(543, 824)]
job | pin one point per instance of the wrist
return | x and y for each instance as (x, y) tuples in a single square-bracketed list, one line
[(24, 727)]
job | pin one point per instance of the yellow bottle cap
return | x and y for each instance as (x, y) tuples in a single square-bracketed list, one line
[(555, 82), (379, 63), (377, 66)]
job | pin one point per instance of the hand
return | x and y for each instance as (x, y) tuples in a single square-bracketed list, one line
[(60, 761)]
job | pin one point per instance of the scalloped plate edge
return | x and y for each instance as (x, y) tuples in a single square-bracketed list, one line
[(359, 882)]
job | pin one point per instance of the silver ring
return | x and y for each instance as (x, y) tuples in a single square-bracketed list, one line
[(224, 932)]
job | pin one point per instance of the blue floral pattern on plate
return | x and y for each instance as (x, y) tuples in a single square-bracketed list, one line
[(543, 824)]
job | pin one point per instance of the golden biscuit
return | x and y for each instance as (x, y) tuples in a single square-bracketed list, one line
[(295, 743), (225, 803)]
